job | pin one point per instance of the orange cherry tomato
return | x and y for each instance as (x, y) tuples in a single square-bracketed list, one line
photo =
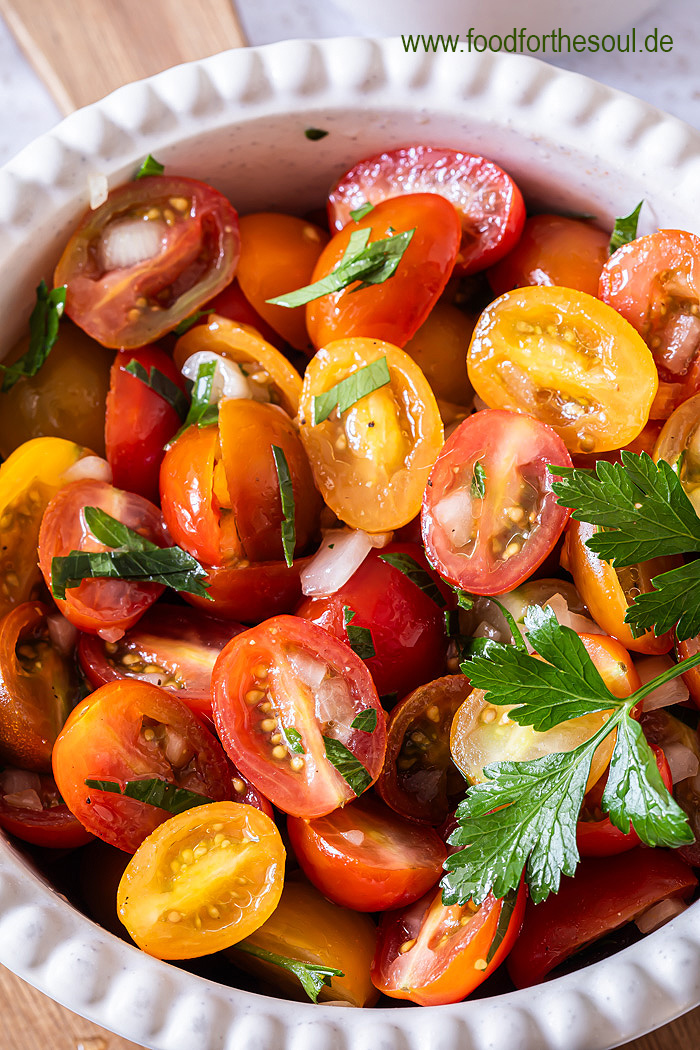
[(278, 254), (395, 309), (553, 250), (439, 348), (567, 359), (202, 881)]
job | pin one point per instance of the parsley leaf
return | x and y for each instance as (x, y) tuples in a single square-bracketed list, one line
[(311, 976), (190, 322), (288, 526), (360, 638), (371, 264), (351, 390), (625, 229), (43, 332), (677, 589), (349, 767), (478, 485), (160, 384), (366, 721), (416, 574), (150, 166), (359, 213), (155, 792)]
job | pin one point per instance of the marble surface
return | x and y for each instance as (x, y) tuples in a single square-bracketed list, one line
[(671, 80)]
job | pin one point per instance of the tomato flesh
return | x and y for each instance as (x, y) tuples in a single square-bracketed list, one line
[(32, 810)]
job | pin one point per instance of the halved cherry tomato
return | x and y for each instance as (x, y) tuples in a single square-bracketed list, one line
[(38, 687), (32, 809), (129, 731), (270, 375), (489, 204), (364, 856), (99, 605), (147, 258), (664, 730), (604, 894), (608, 592), (66, 398), (307, 927), (372, 461), (285, 696), (654, 283), (569, 360), (278, 254), (553, 250), (202, 881), (251, 593), (407, 627), (233, 305), (489, 516), (690, 647), (28, 480), (139, 421), (644, 442), (596, 835), (679, 440), (171, 646), (419, 779), (395, 309), (432, 953)]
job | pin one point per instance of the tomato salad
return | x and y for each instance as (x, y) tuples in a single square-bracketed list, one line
[(342, 619)]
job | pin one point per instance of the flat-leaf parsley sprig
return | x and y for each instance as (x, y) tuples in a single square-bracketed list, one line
[(524, 816), (645, 513)]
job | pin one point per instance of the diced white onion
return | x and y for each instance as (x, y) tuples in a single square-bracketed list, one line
[(63, 634), (674, 692), (98, 189), (380, 539), (311, 671), (659, 914), (24, 800), (14, 781), (567, 618), (454, 515), (129, 241), (333, 695), (229, 381), (355, 837), (89, 468), (682, 762), (339, 556), (110, 634), (680, 339)]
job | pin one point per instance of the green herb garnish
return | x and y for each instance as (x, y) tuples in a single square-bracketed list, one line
[(190, 322), (360, 638), (154, 792), (292, 738), (284, 480), (150, 166), (202, 412), (416, 574), (312, 977), (351, 390), (359, 213), (625, 229), (366, 721), (349, 767), (478, 485), (159, 383), (43, 332), (314, 134)]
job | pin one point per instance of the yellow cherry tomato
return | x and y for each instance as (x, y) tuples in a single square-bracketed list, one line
[(680, 436), (371, 462), (202, 881), (569, 360)]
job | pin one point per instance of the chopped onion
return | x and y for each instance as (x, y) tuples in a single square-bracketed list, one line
[(129, 241), (380, 539), (89, 468), (680, 339), (110, 634), (659, 914), (63, 634), (674, 692), (339, 556), (98, 189), (354, 836), (333, 695), (454, 515), (682, 761), (14, 781), (567, 618), (229, 381), (24, 800), (311, 671)]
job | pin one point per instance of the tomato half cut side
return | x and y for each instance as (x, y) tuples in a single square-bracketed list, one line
[(32, 810), (202, 881), (366, 857), (128, 731), (419, 779), (604, 894), (147, 258), (489, 516), (432, 953), (489, 204), (285, 696)]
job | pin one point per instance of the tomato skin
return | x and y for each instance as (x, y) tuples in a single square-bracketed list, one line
[(489, 204), (439, 348), (199, 245), (99, 605), (601, 587), (395, 863), (139, 422), (499, 441), (691, 679), (251, 593), (258, 692), (441, 969), (187, 495), (105, 739), (53, 827), (408, 627), (553, 250), (605, 893), (210, 916), (415, 792), (232, 304), (395, 310)]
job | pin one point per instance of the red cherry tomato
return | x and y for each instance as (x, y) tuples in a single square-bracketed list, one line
[(394, 310), (232, 304), (654, 282), (432, 953), (139, 421), (407, 627), (285, 695), (171, 646), (128, 731), (489, 204), (99, 605), (147, 258), (553, 250), (604, 894), (489, 516), (251, 593), (365, 857), (32, 809)]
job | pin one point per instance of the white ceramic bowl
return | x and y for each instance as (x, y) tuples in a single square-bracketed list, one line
[(237, 120)]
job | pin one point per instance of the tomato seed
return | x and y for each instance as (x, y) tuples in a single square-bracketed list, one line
[(406, 946), (279, 752), (480, 964), (268, 724), (254, 696), (174, 916)]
